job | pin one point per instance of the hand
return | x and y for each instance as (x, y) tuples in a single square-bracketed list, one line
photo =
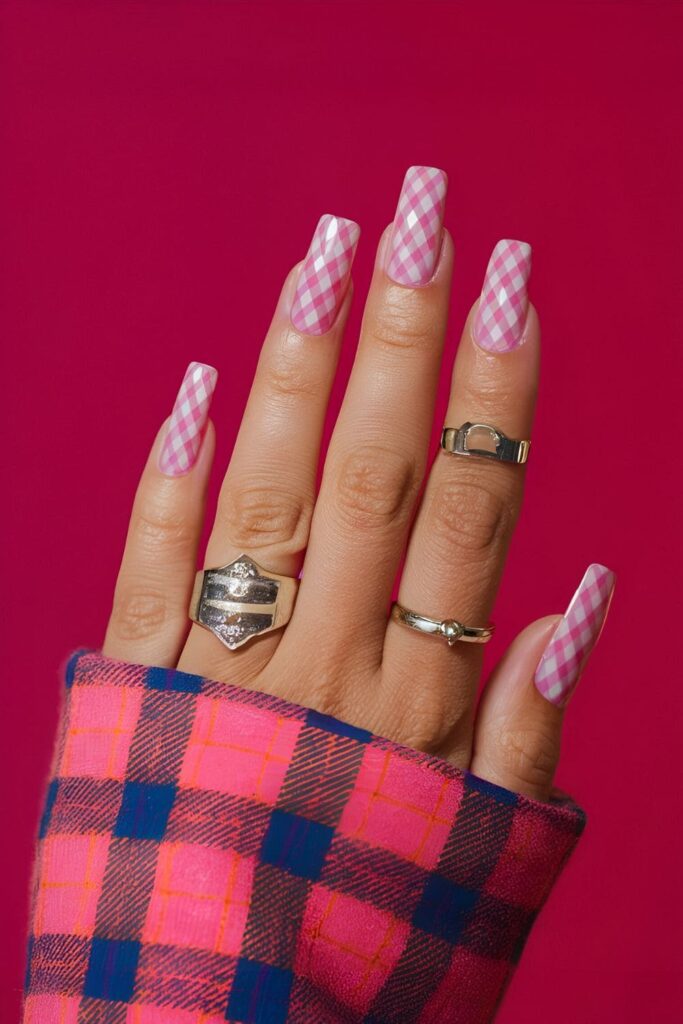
[(340, 654)]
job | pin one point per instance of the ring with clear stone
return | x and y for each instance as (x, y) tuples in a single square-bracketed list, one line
[(450, 629)]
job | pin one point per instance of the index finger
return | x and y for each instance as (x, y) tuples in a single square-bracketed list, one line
[(461, 533)]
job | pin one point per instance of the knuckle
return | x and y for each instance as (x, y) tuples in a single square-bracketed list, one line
[(162, 524), (290, 375), (374, 486), (425, 730), (527, 755), (138, 613), (316, 680), (470, 515), (489, 394), (429, 717), (264, 516), (402, 323)]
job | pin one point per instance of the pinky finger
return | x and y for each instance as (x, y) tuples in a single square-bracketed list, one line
[(149, 620), (519, 722)]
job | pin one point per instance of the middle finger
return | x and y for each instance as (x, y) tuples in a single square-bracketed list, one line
[(376, 457)]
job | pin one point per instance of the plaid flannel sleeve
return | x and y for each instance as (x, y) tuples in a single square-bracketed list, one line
[(208, 853)]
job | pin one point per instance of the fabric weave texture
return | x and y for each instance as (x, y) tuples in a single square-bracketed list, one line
[(208, 853)]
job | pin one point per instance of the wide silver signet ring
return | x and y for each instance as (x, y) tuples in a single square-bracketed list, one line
[(242, 600)]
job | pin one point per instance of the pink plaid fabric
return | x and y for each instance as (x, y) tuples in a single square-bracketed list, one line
[(188, 420), (209, 853), (501, 316), (73, 869), (416, 238), (200, 898), (325, 273), (576, 635)]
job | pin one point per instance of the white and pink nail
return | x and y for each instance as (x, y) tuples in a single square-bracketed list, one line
[(577, 633), (324, 276), (415, 243), (501, 316), (188, 421)]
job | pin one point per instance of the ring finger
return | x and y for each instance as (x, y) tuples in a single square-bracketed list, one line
[(470, 505), (266, 500)]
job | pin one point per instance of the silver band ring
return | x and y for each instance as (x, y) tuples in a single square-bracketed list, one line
[(450, 629), (242, 600), (458, 441)]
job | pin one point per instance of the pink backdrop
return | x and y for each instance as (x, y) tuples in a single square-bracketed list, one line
[(164, 165)]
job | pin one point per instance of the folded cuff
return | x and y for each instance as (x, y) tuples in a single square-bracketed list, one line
[(211, 853)]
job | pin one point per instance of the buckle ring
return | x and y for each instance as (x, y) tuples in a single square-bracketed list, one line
[(456, 441)]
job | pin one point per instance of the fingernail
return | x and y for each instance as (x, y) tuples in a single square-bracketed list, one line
[(500, 319), (188, 420), (415, 243), (563, 660), (324, 275)]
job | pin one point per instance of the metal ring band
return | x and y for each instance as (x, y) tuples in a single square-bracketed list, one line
[(241, 600), (450, 629), (456, 441)]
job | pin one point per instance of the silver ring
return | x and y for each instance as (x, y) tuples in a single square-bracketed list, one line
[(242, 600), (450, 629), (457, 441)]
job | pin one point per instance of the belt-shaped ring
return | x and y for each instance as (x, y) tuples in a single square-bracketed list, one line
[(457, 441)]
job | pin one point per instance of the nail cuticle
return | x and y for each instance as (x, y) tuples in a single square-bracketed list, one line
[(523, 339)]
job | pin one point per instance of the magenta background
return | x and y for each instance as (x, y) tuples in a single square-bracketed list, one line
[(164, 165)]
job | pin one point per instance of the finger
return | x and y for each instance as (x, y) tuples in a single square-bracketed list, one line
[(266, 500), (463, 527), (519, 722), (376, 457), (149, 622)]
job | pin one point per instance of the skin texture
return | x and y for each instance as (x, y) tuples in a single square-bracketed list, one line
[(406, 686)]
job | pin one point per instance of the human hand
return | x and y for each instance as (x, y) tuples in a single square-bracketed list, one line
[(340, 653)]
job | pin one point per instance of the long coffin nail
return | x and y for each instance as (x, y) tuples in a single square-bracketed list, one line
[(501, 316), (415, 243), (324, 275), (563, 660), (188, 420)]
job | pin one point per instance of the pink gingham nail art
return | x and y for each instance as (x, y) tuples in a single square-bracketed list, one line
[(325, 273), (501, 316), (563, 660), (188, 420), (416, 238)]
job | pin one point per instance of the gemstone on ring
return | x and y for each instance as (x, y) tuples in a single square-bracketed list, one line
[(452, 630)]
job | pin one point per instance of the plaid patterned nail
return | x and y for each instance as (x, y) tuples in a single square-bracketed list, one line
[(501, 316), (576, 635), (325, 273), (416, 238), (188, 420)]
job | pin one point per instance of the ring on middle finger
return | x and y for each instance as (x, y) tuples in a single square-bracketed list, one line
[(463, 441)]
